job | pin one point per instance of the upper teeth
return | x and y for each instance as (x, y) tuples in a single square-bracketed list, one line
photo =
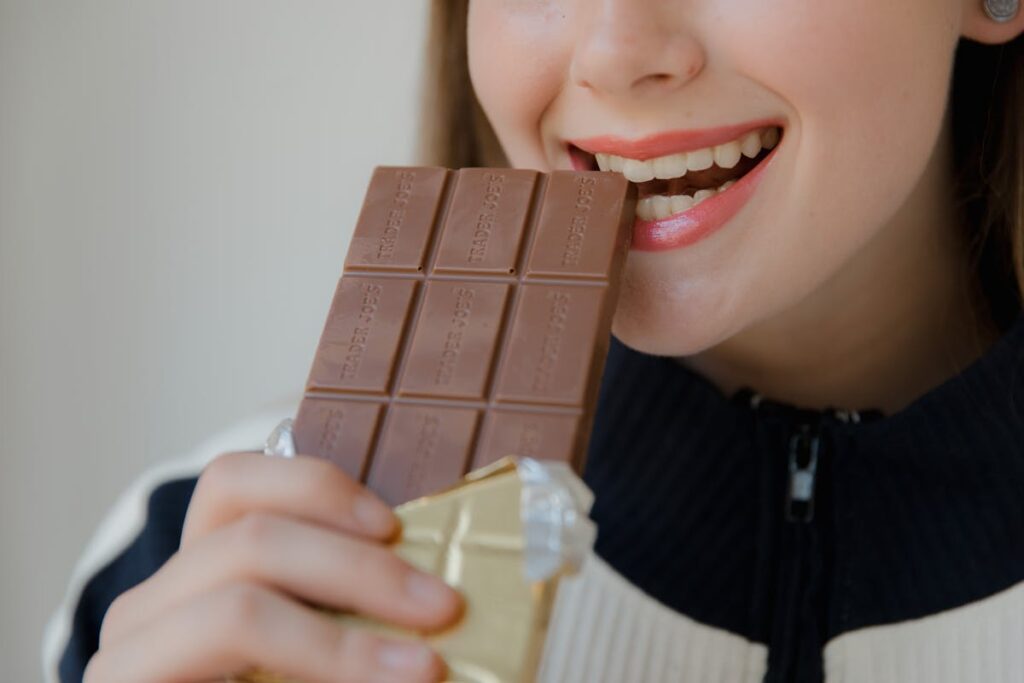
[(726, 155)]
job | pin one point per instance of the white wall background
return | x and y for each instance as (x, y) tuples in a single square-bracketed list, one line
[(178, 179)]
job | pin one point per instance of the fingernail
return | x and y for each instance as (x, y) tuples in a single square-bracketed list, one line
[(404, 656), (427, 589), (372, 514)]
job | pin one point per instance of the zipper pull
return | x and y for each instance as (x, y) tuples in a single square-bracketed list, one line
[(803, 466)]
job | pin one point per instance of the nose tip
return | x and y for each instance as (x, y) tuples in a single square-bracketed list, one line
[(633, 53), (648, 83)]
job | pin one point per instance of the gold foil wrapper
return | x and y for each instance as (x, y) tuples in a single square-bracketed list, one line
[(481, 536)]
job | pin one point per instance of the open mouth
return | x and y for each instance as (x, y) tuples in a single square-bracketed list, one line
[(677, 182)]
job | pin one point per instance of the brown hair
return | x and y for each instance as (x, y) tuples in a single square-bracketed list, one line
[(455, 131), (987, 100)]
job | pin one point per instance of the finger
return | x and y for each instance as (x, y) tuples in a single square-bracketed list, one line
[(311, 563), (242, 626), (309, 488)]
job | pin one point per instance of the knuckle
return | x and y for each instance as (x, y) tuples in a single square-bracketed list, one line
[(114, 616), (220, 472), (114, 611), (322, 489), (240, 603), (93, 669), (254, 530), (327, 479)]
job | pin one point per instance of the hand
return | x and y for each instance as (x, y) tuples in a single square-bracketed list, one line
[(263, 538)]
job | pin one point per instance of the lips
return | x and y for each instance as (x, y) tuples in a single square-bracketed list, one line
[(669, 142), (701, 179), (692, 225)]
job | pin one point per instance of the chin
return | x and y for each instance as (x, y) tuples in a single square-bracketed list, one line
[(660, 333), (658, 314)]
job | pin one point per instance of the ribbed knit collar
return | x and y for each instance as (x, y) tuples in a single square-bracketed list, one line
[(994, 382)]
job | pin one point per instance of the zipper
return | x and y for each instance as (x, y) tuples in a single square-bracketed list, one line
[(802, 470)]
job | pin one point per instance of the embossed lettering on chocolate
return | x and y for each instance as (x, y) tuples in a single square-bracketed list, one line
[(471, 322)]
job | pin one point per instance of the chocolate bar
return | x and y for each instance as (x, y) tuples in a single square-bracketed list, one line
[(471, 322)]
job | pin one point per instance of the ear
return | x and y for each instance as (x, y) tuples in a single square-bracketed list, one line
[(978, 26)]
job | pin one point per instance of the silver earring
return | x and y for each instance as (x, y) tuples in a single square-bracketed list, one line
[(1001, 10)]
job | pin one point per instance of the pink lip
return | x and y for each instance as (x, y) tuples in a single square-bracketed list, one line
[(685, 228), (670, 142)]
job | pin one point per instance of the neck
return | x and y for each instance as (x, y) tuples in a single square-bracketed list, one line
[(898, 319)]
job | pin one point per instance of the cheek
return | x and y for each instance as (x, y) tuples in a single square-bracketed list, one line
[(519, 54), (864, 88), (867, 83)]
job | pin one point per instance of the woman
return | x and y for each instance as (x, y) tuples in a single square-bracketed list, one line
[(809, 455)]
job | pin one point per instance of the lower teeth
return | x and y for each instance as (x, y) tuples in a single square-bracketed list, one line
[(662, 206)]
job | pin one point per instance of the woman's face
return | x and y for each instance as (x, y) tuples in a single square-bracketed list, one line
[(859, 91)]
